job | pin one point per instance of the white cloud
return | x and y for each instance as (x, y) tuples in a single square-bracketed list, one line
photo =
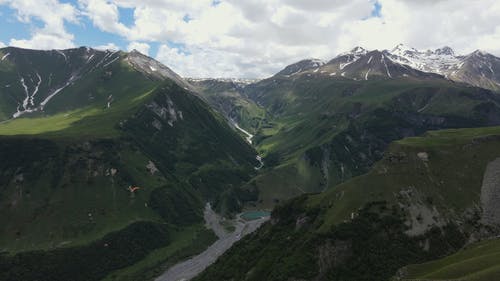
[(44, 41), (199, 63), (2, 45), (104, 14), (108, 46), (141, 47), (259, 37), (53, 14)]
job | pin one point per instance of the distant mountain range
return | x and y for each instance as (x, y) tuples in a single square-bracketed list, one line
[(479, 68)]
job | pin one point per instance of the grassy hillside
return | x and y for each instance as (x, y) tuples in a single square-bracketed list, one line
[(118, 152), (418, 203), (324, 131), (78, 77), (441, 171), (477, 262), (194, 154), (227, 97)]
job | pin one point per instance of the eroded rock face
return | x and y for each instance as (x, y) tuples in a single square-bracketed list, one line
[(421, 217), (153, 68), (167, 113), (151, 167), (424, 156), (490, 194)]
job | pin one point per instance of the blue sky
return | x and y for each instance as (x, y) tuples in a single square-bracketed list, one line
[(11, 27), (251, 38), (86, 34)]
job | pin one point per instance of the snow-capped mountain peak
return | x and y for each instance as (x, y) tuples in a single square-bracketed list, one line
[(446, 51), (403, 50), (356, 51), (479, 54), (440, 61), (359, 50), (478, 68), (300, 66)]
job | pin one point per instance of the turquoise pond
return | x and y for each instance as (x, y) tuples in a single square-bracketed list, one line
[(253, 215)]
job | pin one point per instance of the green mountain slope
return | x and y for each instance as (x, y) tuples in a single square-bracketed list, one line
[(424, 199), (322, 131), (478, 262), (70, 165), (228, 98)]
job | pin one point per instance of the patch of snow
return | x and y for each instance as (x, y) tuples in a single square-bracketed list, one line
[(17, 113), (110, 100), (103, 60), (359, 51), (441, 61), (243, 81), (382, 59), (369, 60), (5, 56), (32, 102), (152, 68), (317, 62), (350, 60), (26, 100), (91, 56), (366, 75), (333, 73), (298, 71), (55, 92), (62, 54), (112, 61)]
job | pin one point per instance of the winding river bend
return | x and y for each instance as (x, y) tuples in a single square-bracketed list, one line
[(249, 138), (188, 269)]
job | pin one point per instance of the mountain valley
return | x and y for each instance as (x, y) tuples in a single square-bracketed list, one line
[(376, 165)]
